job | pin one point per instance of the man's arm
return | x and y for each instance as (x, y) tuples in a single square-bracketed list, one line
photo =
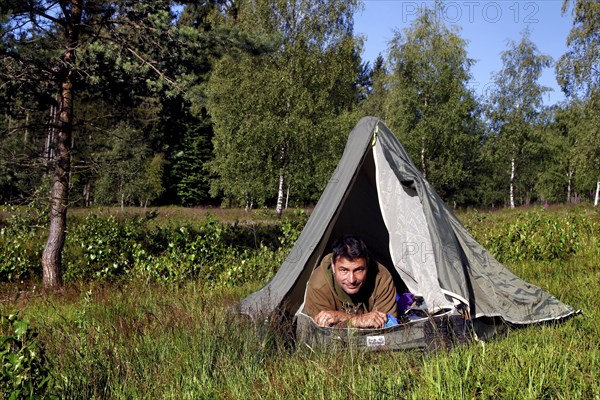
[(320, 307), (385, 296), (318, 296), (331, 318), (374, 319)]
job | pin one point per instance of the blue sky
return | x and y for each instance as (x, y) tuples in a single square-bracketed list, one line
[(486, 25)]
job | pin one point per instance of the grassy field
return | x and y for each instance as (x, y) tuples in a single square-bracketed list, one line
[(176, 214), (136, 340)]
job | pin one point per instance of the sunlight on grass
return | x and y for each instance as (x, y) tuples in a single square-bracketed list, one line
[(133, 339)]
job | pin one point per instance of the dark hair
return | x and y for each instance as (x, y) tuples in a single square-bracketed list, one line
[(349, 247)]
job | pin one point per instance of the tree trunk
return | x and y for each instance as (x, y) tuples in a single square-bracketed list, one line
[(569, 180), (282, 155), (425, 106), (86, 194), (249, 203), (49, 147), (279, 208), (26, 133), (597, 198), (61, 160), (512, 182), (423, 169), (59, 163)]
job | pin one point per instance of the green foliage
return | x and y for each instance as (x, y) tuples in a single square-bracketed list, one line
[(513, 111), (101, 247), (430, 106), (188, 166), (191, 253), (152, 186), (537, 235), (219, 255), (372, 101), (26, 372), (123, 177), (271, 112), (577, 69), (108, 248), (22, 242)]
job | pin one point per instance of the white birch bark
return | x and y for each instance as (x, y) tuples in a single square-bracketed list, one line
[(569, 179), (597, 198), (249, 203), (279, 208), (280, 194), (423, 158), (512, 182), (26, 133)]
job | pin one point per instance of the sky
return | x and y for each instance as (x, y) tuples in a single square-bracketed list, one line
[(487, 26)]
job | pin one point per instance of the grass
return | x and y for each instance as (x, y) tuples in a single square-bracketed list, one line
[(131, 340), (182, 215)]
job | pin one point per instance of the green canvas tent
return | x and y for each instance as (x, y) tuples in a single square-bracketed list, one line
[(377, 193)]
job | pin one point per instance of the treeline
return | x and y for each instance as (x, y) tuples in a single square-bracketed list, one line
[(250, 103)]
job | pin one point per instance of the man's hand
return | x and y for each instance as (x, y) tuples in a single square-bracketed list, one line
[(374, 319), (331, 318)]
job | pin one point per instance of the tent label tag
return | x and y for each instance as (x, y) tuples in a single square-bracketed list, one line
[(375, 341)]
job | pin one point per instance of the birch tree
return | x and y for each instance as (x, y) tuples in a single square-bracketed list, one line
[(578, 73), (515, 104), (429, 105), (269, 111), (575, 161)]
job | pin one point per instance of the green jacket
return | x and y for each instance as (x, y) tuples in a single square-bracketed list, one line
[(323, 293)]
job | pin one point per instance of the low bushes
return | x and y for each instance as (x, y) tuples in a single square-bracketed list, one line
[(22, 239), (25, 370), (534, 235), (109, 248)]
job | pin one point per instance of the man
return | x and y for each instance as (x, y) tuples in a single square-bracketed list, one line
[(348, 289)]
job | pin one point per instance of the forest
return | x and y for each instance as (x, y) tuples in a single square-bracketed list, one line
[(187, 141), (248, 103)]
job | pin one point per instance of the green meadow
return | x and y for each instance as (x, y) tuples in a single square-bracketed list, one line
[(148, 312)]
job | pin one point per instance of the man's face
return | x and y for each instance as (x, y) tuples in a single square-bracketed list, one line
[(350, 275)]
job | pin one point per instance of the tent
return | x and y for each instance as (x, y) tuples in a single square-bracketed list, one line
[(377, 193)]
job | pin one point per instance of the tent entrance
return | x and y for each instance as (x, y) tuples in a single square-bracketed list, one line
[(410, 244), (360, 215)]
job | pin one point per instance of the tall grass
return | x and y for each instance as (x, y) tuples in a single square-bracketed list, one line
[(135, 340)]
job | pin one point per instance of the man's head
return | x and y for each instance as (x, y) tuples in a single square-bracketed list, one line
[(349, 263)]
